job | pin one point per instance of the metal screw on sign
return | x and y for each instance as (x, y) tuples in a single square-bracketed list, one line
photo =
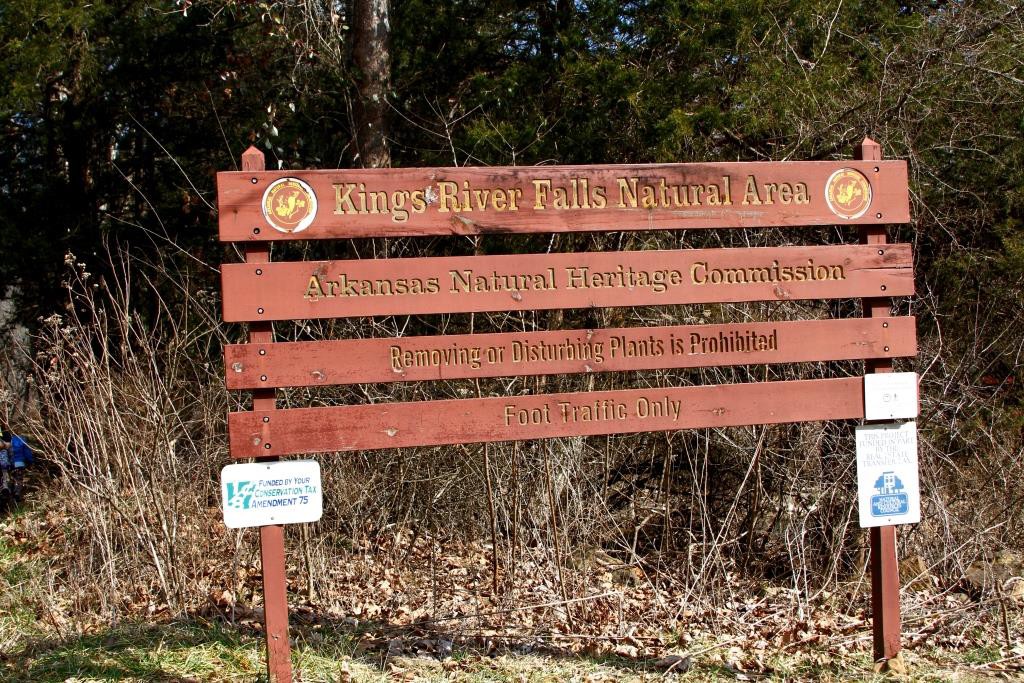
[(256, 180), (266, 418), (885, 324)]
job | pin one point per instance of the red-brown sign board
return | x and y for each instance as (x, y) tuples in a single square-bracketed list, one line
[(328, 204), (514, 418), (406, 359), (339, 289), (257, 207)]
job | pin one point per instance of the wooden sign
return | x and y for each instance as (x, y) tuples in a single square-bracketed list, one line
[(337, 289), (257, 207), (513, 418), (405, 359), (282, 205)]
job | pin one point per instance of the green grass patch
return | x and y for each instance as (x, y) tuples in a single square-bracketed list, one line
[(982, 654), (184, 651), (178, 651), (17, 617)]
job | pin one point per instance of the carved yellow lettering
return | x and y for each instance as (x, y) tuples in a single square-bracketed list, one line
[(500, 200), (713, 197), (801, 196), (648, 197), (313, 289), (343, 198), (448, 199), (751, 196), (514, 195), (561, 198), (628, 192), (541, 188), (481, 197)]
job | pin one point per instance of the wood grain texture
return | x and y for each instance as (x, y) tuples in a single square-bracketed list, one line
[(339, 289), (886, 620), (408, 359), (272, 555), (515, 418), (527, 199)]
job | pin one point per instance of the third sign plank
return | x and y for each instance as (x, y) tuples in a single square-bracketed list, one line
[(404, 359)]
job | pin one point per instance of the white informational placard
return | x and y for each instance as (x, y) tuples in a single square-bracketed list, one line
[(258, 494), (890, 395), (887, 483)]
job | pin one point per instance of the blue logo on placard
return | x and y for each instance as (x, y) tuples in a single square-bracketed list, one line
[(239, 494), (890, 497)]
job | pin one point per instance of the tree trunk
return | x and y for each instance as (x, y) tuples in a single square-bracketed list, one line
[(371, 54)]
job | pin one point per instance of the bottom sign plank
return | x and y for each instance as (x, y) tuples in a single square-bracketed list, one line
[(515, 418)]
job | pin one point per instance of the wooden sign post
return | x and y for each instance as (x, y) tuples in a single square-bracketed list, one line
[(885, 577), (258, 207), (272, 562)]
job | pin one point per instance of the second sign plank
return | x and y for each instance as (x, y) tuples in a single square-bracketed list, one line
[(515, 282)]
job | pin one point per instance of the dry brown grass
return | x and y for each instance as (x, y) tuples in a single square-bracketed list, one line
[(131, 411)]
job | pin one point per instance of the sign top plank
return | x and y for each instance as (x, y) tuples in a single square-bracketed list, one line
[(347, 203)]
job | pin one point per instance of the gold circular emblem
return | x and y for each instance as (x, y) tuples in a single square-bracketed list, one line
[(848, 193), (289, 205)]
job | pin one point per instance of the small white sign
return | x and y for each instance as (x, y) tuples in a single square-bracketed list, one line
[(283, 492), (890, 395), (887, 484)]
